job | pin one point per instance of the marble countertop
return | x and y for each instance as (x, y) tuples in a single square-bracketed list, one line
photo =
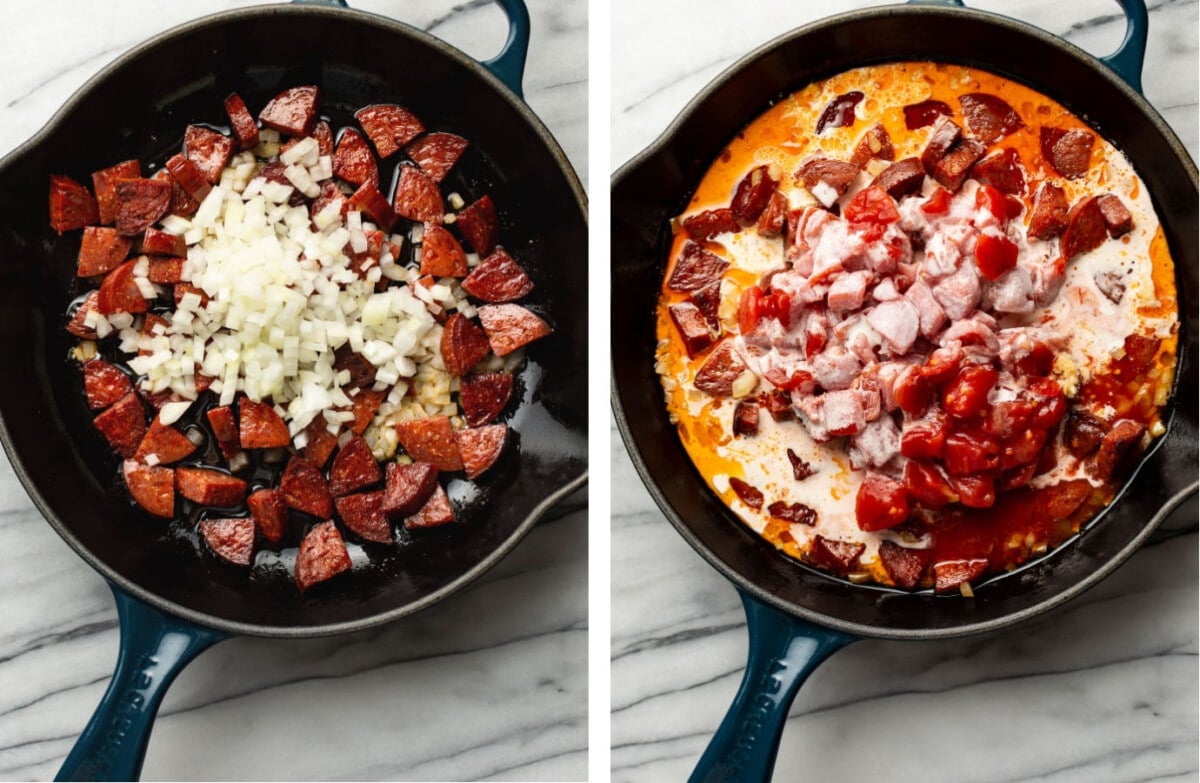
[(489, 684), (1101, 692)]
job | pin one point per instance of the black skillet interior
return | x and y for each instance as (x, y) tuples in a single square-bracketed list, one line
[(657, 187), (139, 110)]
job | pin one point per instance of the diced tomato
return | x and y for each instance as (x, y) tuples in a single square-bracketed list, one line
[(969, 453), (1053, 407), (1023, 448), (926, 485), (924, 439), (1014, 206), (968, 394), (912, 391), (991, 199), (995, 255), (1039, 361), (938, 202), (975, 491), (755, 305), (1009, 418), (881, 503), (871, 205), (939, 369)]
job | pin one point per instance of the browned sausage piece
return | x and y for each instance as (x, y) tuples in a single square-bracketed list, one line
[(322, 556), (710, 223), (949, 575), (166, 443), (745, 418), (708, 300), (123, 425), (1113, 446), (839, 113), (408, 487), (261, 427), (1111, 283), (71, 205), (944, 136), (463, 344), (436, 153), (692, 326), (353, 468), (901, 178), (368, 200), (241, 122), (104, 384), (189, 177), (364, 515), (76, 325), (988, 117), (1067, 152), (925, 113), (1063, 499), (839, 557), (182, 203), (480, 447), (210, 487), (305, 489), (365, 404), (874, 144), (696, 268), (1117, 218), (291, 112), (1082, 432), (119, 293), (165, 271), (152, 488), (156, 242), (905, 566), (752, 195), (819, 171), (417, 196), (1001, 170), (322, 442), (436, 511), (353, 161), (209, 150), (270, 513), (1085, 228), (104, 182), (140, 203), (389, 127), (101, 250), (771, 221), (430, 440), (510, 326), (362, 372), (498, 279), (232, 540), (952, 170), (720, 370), (1048, 218), (441, 255), (482, 397), (479, 225)]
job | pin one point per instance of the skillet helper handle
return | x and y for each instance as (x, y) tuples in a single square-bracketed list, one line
[(1129, 58), (783, 652), (509, 65), (154, 649)]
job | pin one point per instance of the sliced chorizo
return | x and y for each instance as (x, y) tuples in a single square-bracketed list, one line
[(304, 488), (364, 515), (210, 487), (291, 112), (389, 127), (353, 161), (232, 540), (407, 488), (353, 468), (1117, 218), (480, 447), (104, 384), (463, 344), (260, 426), (209, 150), (720, 370), (225, 429), (436, 511), (101, 250), (119, 293), (1085, 229), (166, 443), (152, 488), (441, 255), (71, 205), (1069, 152), (104, 182), (510, 326), (368, 200), (241, 122), (696, 268), (140, 204), (901, 178), (417, 196), (269, 510), (498, 279), (483, 397), (322, 556), (436, 153), (479, 225), (1048, 218), (752, 194), (430, 440), (1001, 170), (989, 117)]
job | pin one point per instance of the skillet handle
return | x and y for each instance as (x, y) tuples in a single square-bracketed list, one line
[(509, 65), (783, 651), (154, 649), (1129, 58)]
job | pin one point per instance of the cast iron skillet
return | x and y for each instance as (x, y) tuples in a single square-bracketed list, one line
[(798, 616), (173, 600)]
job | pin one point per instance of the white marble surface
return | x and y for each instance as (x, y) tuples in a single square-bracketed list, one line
[(1102, 692), (490, 684)]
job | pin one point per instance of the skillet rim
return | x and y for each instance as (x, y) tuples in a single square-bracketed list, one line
[(1146, 112), (549, 144)]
